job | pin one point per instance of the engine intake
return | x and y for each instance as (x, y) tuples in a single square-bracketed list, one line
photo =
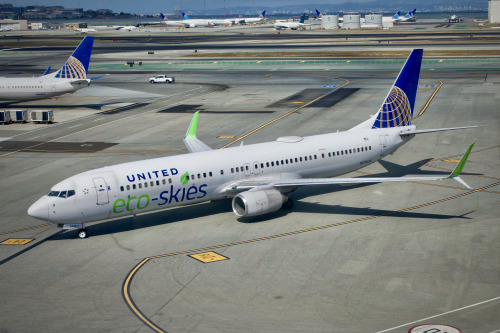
[(257, 202)]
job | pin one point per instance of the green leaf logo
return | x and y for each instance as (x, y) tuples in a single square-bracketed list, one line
[(185, 178)]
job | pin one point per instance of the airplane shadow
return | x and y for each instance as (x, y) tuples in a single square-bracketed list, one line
[(186, 213)]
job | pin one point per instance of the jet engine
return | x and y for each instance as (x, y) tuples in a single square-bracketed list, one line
[(258, 202)]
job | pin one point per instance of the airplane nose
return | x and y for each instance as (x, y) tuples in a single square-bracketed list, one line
[(40, 209)]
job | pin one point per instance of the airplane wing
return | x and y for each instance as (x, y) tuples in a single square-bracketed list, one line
[(192, 143), (242, 186)]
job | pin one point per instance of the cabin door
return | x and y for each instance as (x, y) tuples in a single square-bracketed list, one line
[(102, 191), (383, 144)]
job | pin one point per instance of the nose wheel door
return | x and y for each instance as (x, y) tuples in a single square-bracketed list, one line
[(102, 191)]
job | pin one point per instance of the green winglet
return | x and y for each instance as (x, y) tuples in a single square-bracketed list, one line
[(461, 164), (191, 133)]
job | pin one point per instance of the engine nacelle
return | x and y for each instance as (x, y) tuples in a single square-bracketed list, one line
[(258, 202)]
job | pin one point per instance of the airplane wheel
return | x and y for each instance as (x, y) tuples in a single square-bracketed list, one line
[(288, 205), (82, 233)]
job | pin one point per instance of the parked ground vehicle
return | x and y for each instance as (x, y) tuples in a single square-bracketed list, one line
[(162, 79)]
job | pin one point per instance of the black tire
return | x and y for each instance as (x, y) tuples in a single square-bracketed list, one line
[(152, 81), (82, 233)]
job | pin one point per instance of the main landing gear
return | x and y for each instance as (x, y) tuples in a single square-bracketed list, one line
[(82, 233)]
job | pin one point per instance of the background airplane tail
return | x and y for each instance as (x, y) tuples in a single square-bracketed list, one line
[(263, 15), (77, 65), (397, 109), (185, 16), (396, 16), (302, 18)]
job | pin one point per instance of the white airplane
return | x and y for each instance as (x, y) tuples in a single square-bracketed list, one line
[(291, 25), (261, 17), (409, 17), (84, 30), (127, 27), (394, 18), (71, 77), (257, 177)]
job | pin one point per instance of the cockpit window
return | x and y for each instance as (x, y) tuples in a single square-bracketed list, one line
[(62, 194)]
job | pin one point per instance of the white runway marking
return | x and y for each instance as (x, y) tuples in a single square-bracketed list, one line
[(441, 314)]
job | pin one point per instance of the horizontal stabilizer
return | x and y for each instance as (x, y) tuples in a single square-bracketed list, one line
[(434, 130), (98, 77), (192, 143)]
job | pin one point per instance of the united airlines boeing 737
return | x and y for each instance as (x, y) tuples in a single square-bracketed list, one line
[(71, 77), (257, 177)]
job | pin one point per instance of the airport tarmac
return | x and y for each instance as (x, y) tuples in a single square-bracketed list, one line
[(370, 258)]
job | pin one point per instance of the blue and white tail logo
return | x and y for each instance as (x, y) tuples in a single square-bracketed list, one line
[(77, 65), (397, 109)]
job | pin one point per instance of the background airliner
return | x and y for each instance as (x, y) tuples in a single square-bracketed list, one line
[(291, 25), (257, 177), (71, 77)]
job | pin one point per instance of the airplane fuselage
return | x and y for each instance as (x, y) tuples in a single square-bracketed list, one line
[(38, 87), (148, 185)]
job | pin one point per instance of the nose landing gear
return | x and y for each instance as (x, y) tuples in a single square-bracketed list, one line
[(82, 230)]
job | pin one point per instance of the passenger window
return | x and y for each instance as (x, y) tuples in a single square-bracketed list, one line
[(128, 187), (305, 158), (204, 175), (199, 176), (133, 187), (232, 170), (358, 150), (300, 159), (246, 167), (139, 185), (158, 183), (170, 180), (350, 151), (341, 152), (315, 157), (362, 149), (286, 161), (237, 169), (323, 155), (145, 185), (222, 172), (121, 188), (152, 183), (210, 173), (282, 162), (71, 193), (267, 164), (164, 182), (272, 163), (296, 160), (63, 194)]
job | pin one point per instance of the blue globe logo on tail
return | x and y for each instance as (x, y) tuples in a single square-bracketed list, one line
[(396, 110), (77, 65), (73, 69)]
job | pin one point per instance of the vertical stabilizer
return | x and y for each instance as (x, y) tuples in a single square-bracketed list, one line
[(302, 18), (397, 109), (77, 65)]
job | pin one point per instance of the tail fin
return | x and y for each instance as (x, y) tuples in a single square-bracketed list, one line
[(263, 15), (408, 15), (302, 18), (397, 109), (77, 65), (185, 16), (319, 13), (396, 16)]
